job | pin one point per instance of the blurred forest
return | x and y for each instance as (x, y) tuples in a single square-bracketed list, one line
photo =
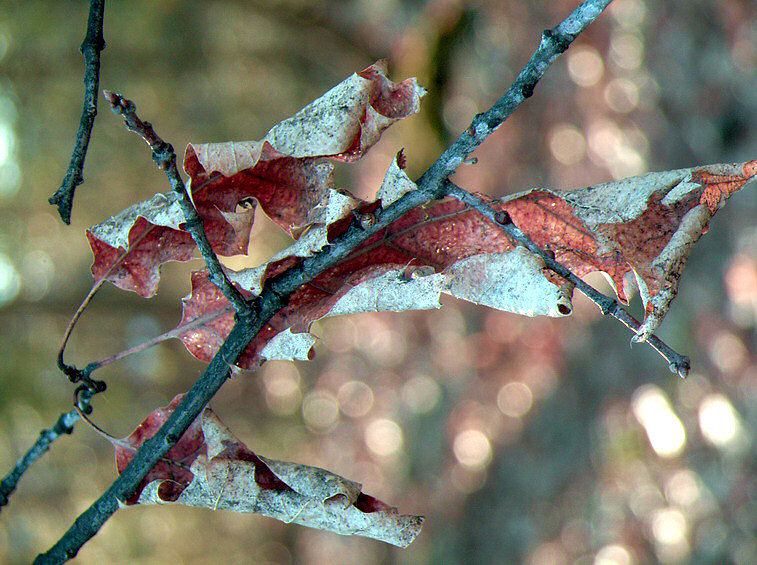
[(537, 441)]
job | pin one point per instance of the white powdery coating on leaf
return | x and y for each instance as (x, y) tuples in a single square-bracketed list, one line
[(395, 185), (317, 499), (512, 281), (160, 210), (624, 200), (336, 206), (392, 292), (327, 125), (286, 346)]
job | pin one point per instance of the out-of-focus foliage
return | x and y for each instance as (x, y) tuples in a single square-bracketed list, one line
[(534, 441)]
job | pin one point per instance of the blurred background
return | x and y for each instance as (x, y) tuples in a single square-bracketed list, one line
[(537, 441)]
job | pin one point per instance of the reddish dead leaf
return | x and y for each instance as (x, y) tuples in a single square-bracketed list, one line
[(642, 227), (130, 247), (426, 252), (173, 470), (226, 475), (284, 171)]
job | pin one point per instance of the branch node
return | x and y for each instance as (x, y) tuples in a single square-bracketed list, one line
[(503, 218), (561, 41)]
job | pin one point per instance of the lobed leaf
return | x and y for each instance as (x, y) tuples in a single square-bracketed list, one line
[(284, 172), (211, 468), (639, 228)]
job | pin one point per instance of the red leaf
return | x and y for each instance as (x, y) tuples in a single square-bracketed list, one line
[(130, 247), (226, 474), (643, 226), (173, 470), (284, 171)]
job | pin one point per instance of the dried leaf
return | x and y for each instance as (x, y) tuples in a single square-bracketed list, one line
[(224, 474), (642, 227), (129, 247), (284, 171)]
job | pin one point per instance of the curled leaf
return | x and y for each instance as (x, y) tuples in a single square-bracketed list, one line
[(224, 474), (285, 171), (642, 227)]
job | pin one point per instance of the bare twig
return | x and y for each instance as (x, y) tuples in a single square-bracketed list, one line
[(64, 425), (277, 290), (165, 157), (553, 42), (91, 47), (676, 362)]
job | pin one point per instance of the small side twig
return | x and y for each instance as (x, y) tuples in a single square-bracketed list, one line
[(93, 44), (677, 363), (165, 157), (64, 425)]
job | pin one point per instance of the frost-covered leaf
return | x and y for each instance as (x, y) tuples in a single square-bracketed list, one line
[(129, 247), (285, 171), (643, 227), (213, 469)]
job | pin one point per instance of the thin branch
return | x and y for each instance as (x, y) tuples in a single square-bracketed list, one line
[(276, 290), (93, 44), (553, 42), (64, 425), (676, 362), (165, 157)]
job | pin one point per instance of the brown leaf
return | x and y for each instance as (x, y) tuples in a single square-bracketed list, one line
[(642, 227), (285, 170), (173, 470), (226, 475)]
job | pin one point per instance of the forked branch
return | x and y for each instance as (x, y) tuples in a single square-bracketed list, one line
[(277, 289), (165, 157), (677, 363)]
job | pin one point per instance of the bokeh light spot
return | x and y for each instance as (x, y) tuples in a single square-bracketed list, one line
[(421, 394), (621, 95), (718, 420), (383, 437), (613, 555), (515, 399), (472, 448), (585, 66), (10, 282), (320, 411), (355, 398), (567, 144), (282, 388), (664, 430)]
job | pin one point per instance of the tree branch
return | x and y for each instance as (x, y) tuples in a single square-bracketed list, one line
[(64, 425), (277, 290), (165, 157), (677, 363), (553, 42), (93, 44)]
